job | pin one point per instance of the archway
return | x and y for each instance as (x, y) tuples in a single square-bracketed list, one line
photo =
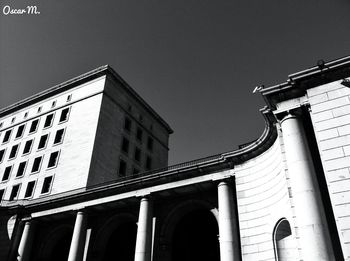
[(121, 243), (115, 240), (285, 247), (195, 237), (56, 245)]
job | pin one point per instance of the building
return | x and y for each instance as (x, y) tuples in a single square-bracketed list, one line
[(84, 176)]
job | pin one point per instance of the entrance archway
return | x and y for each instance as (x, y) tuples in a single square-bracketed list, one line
[(57, 244), (121, 243), (195, 237)]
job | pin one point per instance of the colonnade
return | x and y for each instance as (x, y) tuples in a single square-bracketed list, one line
[(313, 233), (228, 230)]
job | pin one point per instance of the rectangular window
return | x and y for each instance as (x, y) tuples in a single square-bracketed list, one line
[(53, 159), (13, 119), (127, 124), (37, 164), (125, 145), (139, 134), (2, 193), (13, 152), (58, 136), (21, 169), (47, 185), (137, 155), (15, 192), (64, 115), (7, 173), (148, 163), (30, 189), (150, 144), (2, 155), (43, 141), (69, 97), (48, 120), (25, 115), (122, 168), (20, 131), (39, 109), (7, 136), (27, 146), (53, 104), (34, 126)]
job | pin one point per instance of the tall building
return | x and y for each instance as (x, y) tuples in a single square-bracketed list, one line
[(84, 176)]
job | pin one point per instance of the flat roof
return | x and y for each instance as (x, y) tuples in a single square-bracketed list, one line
[(83, 78)]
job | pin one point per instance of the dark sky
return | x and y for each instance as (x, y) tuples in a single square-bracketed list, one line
[(195, 62)]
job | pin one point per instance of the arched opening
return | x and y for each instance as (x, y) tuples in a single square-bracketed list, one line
[(195, 237), (285, 247), (121, 243), (56, 246)]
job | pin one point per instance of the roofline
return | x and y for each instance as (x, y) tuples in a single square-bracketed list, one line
[(83, 78), (297, 83)]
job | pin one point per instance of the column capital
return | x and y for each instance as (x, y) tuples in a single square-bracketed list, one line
[(227, 180)]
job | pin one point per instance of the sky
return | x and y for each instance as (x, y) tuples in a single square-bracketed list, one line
[(196, 62)]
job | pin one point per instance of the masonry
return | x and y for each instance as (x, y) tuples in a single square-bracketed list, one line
[(84, 176)]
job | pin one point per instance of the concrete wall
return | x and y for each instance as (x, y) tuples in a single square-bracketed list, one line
[(330, 113), (263, 199), (74, 152)]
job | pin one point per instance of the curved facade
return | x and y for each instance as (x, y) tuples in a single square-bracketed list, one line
[(112, 196)]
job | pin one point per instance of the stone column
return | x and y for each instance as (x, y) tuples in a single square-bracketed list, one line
[(25, 245), (76, 251), (228, 230), (310, 217), (143, 249)]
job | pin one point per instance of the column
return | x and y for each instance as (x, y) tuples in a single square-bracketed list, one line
[(25, 244), (143, 247), (76, 251), (228, 230), (313, 231)]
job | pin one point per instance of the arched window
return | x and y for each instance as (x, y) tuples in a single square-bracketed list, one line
[(285, 247)]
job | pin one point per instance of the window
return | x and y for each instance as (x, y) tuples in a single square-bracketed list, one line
[(25, 115), (139, 134), (30, 189), (46, 185), (13, 119), (122, 168), (21, 169), (1, 123), (53, 104), (39, 109), (2, 154), (37, 164), (148, 163), (7, 173), (59, 136), (150, 144), (53, 159), (48, 120), (125, 145), (43, 141), (27, 146), (127, 124), (20, 131), (2, 193), (34, 126), (64, 115), (13, 152), (69, 97), (14, 192), (137, 155), (7, 136)]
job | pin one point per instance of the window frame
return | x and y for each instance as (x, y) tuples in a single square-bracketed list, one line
[(9, 137), (18, 192), (67, 116), (36, 128), (24, 170), (24, 128), (3, 155), (63, 134), (46, 142), (30, 148), (9, 175), (15, 156), (50, 188), (40, 164), (33, 190), (56, 161), (51, 122)]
